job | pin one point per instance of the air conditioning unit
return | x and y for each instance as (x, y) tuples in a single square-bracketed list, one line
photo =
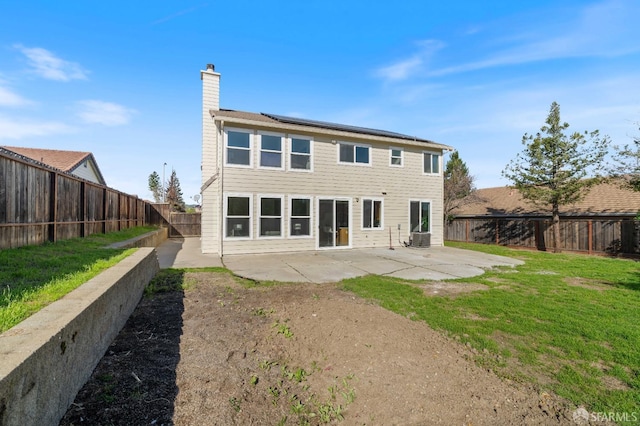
[(420, 239)]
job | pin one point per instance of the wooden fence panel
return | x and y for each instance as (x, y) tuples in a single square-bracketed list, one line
[(185, 225), (596, 235), (39, 204)]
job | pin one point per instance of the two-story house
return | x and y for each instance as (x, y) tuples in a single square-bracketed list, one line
[(279, 184)]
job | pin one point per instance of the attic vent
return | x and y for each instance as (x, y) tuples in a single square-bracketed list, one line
[(420, 239)]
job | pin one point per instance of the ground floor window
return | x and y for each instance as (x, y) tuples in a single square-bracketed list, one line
[(238, 216), (300, 219), (420, 216), (270, 216), (372, 213)]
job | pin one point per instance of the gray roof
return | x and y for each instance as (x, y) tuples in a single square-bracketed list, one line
[(319, 126)]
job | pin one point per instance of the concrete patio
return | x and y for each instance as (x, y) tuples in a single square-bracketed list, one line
[(435, 263)]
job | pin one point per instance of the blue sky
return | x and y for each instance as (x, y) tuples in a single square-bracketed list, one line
[(121, 79)]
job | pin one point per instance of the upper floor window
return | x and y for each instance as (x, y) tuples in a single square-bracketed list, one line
[(301, 157), (395, 157), (353, 153), (431, 163), (238, 147), (270, 151)]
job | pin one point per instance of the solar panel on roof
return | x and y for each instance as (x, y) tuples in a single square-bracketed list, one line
[(343, 127)]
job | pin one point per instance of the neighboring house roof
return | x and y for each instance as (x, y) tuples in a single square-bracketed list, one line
[(67, 161), (305, 125), (606, 199)]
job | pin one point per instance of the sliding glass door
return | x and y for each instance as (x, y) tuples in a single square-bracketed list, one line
[(333, 223)]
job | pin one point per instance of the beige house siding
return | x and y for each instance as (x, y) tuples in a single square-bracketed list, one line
[(87, 171), (210, 147), (331, 179), (394, 186)]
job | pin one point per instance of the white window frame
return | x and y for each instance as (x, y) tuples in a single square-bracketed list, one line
[(432, 153), (373, 200), (226, 147), (225, 215), (290, 153), (355, 146), (283, 144), (300, 197), (260, 217), (414, 200), (391, 156), (335, 198)]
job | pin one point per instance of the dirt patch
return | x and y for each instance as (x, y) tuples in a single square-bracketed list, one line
[(223, 354), (443, 288), (587, 283)]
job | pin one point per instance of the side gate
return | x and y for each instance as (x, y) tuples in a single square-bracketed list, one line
[(184, 225)]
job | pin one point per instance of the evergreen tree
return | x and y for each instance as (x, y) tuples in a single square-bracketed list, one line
[(458, 185), (627, 164), (174, 193), (155, 187), (555, 168)]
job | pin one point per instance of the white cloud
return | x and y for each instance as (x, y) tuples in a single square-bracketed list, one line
[(12, 99), (47, 65), (11, 128), (178, 14), (408, 67), (105, 113), (604, 29), (400, 70)]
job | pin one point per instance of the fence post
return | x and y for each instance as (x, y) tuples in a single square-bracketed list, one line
[(590, 235), (497, 232), (466, 230), (83, 209), (53, 206)]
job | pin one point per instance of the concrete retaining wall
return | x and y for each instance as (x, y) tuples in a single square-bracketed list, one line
[(150, 239), (46, 359)]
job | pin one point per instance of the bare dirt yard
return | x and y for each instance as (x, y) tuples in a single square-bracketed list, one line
[(220, 353)]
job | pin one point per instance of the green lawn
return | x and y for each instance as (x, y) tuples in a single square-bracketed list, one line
[(32, 277), (568, 323)]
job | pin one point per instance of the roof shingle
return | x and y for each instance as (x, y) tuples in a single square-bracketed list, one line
[(606, 199), (62, 160)]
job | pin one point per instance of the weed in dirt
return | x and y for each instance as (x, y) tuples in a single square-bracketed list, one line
[(300, 399), (108, 385), (262, 312), (283, 329), (254, 380), (165, 281), (298, 375), (235, 404), (266, 364)]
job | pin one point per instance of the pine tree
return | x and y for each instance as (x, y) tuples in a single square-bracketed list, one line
[(155, 187), (627, 164), (557, 169), (174, 193), (458, 185)]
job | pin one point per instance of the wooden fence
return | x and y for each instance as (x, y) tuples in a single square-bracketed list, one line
[(184, 225), (39, 204), (598, 235), (180, 224)]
